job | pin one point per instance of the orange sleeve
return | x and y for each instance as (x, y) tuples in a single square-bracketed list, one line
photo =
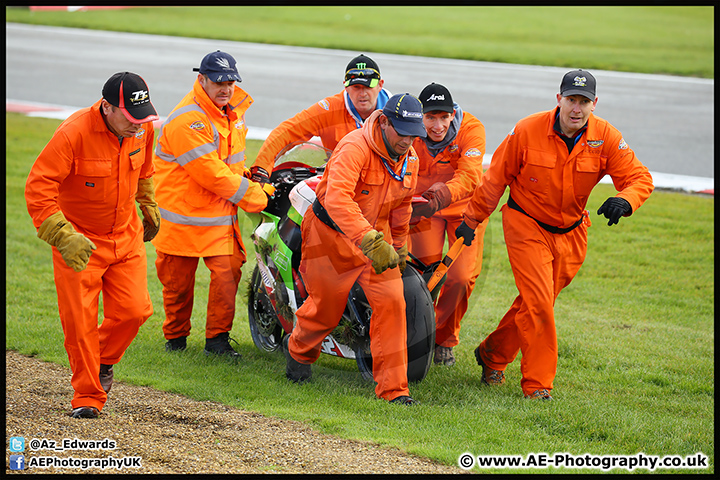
[(302, 127), (42, 187), (630, 177), (504, 167), (471, 142)]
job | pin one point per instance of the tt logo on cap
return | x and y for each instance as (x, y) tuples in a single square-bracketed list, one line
[(580, 81), (139, 96)]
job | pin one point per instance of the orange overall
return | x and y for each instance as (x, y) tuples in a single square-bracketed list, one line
[(459, 166), (359, 194), (551, 186), (330, 119), (85, 172), (200, 161)]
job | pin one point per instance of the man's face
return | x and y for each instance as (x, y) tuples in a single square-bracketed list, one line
[(574, 112), (364, 98), (117, 122), (399, 143), (220, 93), (437, 123)]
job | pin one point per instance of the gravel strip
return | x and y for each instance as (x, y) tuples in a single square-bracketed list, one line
[(174, 434)]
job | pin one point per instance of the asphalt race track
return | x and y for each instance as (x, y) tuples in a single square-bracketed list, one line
[(667, 120)]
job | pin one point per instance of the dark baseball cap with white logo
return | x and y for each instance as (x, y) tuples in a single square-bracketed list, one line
[(436, 97), (219, 67), (578, 82), (405, 113), (131, 94)]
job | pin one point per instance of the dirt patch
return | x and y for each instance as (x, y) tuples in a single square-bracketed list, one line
[(174, 434)]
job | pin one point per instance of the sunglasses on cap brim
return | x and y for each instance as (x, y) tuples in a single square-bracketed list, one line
[(370, 73)]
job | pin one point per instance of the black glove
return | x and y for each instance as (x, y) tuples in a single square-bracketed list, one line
[(259, 175), (467, 233), (614, 208)]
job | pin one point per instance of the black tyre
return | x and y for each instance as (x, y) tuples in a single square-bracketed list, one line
[(420, 319), (420, 315), (265, 327)]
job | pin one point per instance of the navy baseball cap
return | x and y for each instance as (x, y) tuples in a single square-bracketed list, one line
[(405, 113), (219, 67), (131, 94), (578, 82)]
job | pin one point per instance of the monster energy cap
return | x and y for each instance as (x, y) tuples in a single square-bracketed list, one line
[(362, 70)]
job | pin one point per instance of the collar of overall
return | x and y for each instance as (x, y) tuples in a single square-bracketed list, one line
[(388, 167), (382, 99)]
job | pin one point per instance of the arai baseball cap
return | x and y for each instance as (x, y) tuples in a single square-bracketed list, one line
[(436, 97), (130, 93)]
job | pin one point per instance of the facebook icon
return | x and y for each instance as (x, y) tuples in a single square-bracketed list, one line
[(17, 462)]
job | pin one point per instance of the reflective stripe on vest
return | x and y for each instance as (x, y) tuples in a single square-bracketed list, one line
[(196, 221), (240, 193), (235, 158), (199, 151)]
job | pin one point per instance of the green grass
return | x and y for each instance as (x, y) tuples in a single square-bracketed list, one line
[(658, 39), (635, 332)]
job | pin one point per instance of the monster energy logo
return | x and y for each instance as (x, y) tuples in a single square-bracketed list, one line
[(361, 66)]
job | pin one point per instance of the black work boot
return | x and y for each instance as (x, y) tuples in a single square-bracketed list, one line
[(106, 377), (295, 371), (542, 394), (84, 412), (175, 344), (489, 376), (404, 400), (444, 356), (220, 345)]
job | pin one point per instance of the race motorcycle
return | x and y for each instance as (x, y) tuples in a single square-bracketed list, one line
[(277, 289)]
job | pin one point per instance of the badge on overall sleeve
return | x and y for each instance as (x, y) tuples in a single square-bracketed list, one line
[(197, 125)]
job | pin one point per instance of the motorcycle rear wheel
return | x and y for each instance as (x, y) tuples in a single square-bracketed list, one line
[(420, 319), (265, 328)]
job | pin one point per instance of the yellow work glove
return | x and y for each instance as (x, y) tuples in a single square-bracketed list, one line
[(74, 247), (149, 208), (382, 254), (403, 254)]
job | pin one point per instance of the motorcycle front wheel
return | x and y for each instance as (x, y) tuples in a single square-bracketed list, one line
[(265, 328), (420, 320)]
